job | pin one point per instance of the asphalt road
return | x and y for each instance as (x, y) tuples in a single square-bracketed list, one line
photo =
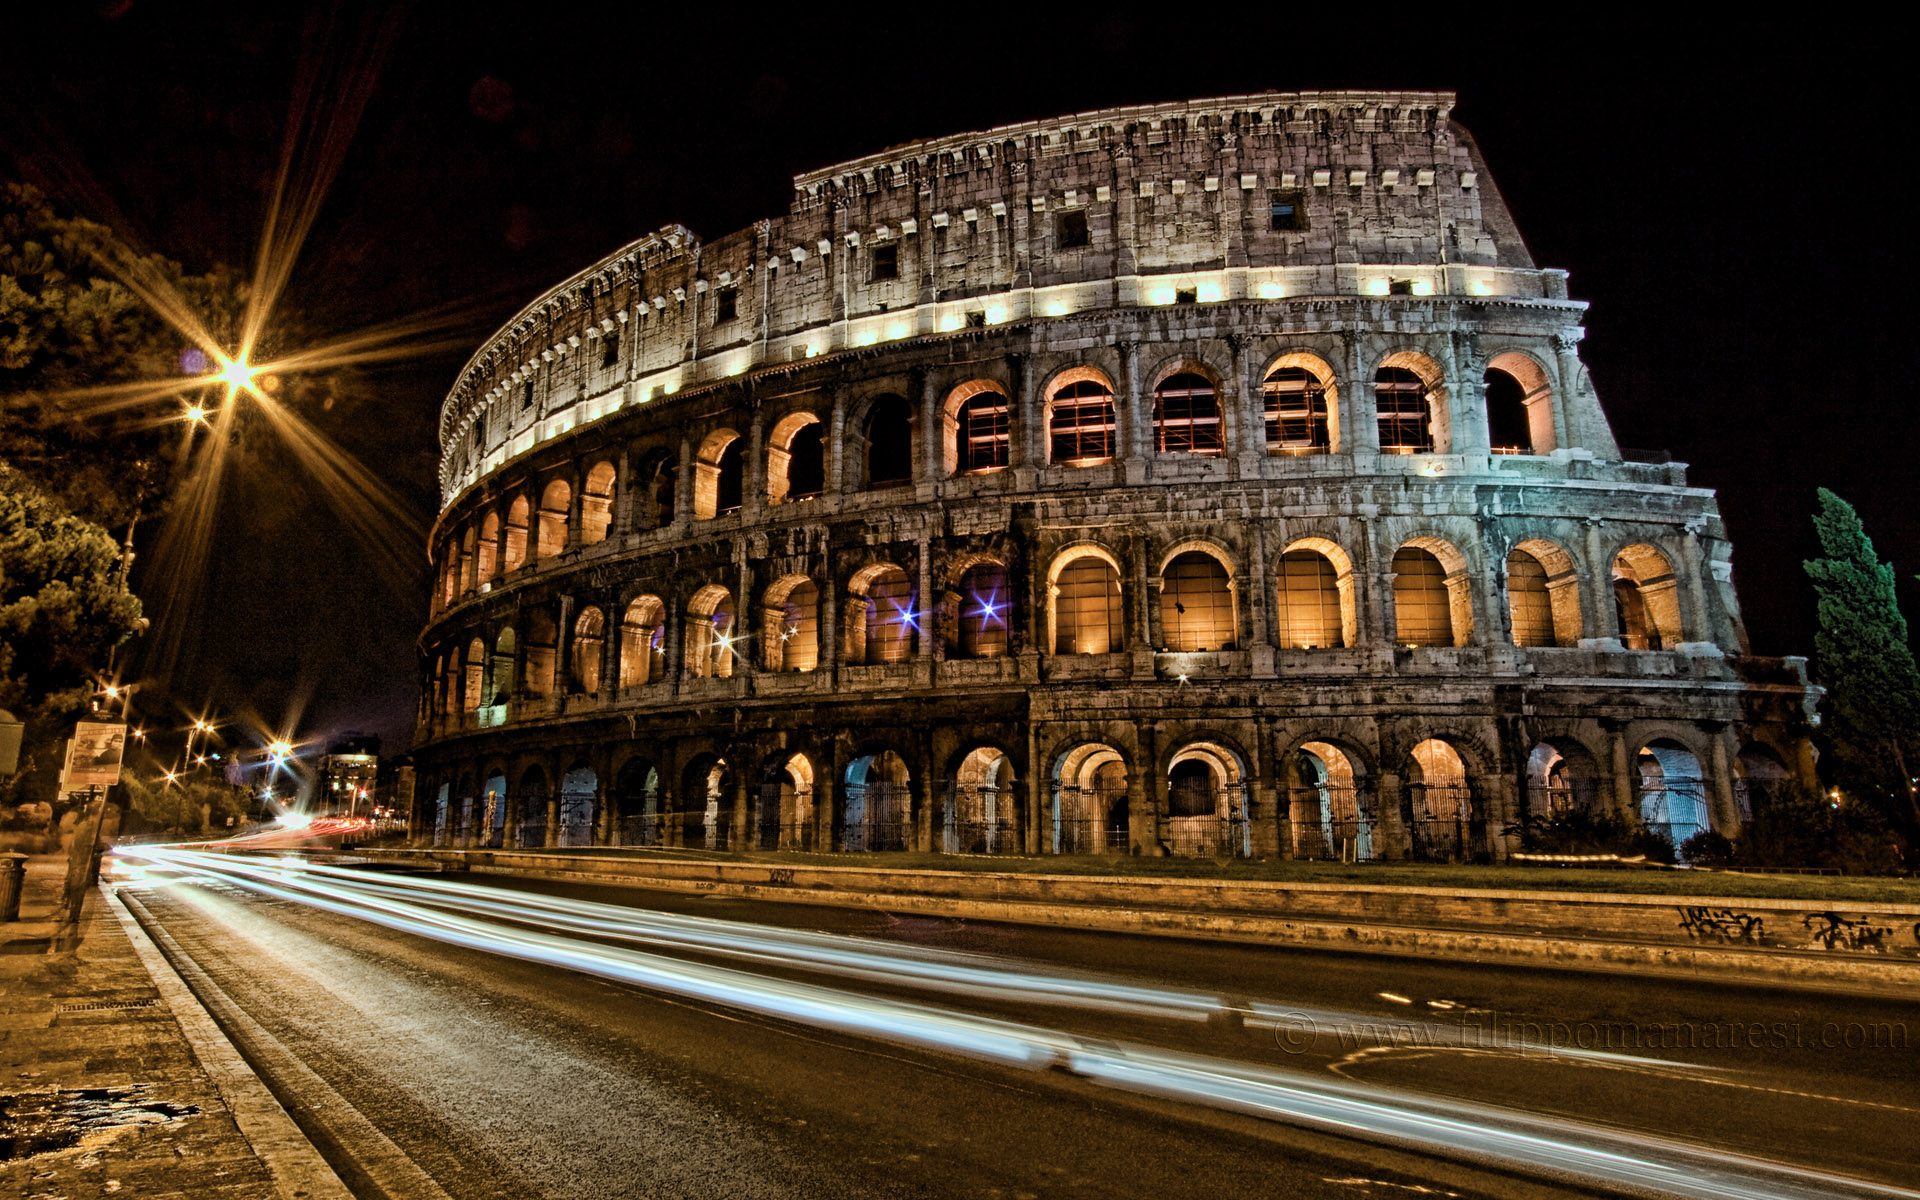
[(490, 1075)]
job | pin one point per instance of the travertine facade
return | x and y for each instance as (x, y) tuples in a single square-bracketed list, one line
[(1217, 477)]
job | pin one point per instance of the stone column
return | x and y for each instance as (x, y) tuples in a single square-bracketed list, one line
[(1601, 619), (753, 488), (1135, 426), (1258, 593), (1249, 444), (1360, 420)]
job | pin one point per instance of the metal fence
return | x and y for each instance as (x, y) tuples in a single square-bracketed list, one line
[(641, 830)]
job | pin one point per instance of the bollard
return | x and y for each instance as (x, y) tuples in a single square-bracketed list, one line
[(13, 874)]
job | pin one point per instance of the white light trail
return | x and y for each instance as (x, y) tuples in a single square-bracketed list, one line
[(1573, 1151)]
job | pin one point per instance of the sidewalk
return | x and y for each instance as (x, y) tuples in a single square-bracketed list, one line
[(100, 1092)]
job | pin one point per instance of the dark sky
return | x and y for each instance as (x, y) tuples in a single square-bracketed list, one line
[(1722, 196)]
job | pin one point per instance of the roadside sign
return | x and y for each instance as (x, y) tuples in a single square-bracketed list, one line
[(94, 757), (11, 731)]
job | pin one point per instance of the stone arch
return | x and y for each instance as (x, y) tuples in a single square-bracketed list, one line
[(493, 808), (543, 645), (1761, 779), (513, 549), (983, 604), (886, 456), (1519, 404), (1199, 607), (1317, 605), (488, 564), (719, 474), (783, 815), (1301, 401), (882, 621), (1189, 412), (705, 811), (529, 801), (1085, 605), (1081, 418), (979, 813), (656, 486), (556, 501), (1439, 804), (467, 560), (1090, 790), (1411, 404), (1543, 594), (504, 649), (587, 650), (1563, 778), (796, 458), (976, 428), (1432, 594), (790, 624), (1672, 790), (1646, 597), (474, 677), (1207, 800), (596, 503), (579, 802), (636, 802), (643, 644), (711, 633), (879, 808), (1331, 808)]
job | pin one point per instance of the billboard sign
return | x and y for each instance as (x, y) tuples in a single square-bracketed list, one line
[(93, 757)]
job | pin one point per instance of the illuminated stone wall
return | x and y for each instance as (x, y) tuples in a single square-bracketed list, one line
[(868, 401)]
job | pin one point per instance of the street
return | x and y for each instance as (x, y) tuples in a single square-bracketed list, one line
[(478, 1037)]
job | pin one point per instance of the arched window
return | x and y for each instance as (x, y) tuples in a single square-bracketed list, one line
[(449, 574), (733, 477), (1422, 605), (596, 504), (1519, 405), (1196, 604), (589, 643), (1400, 400), (1190, 790), (643, 648), (489, 560), (1308, 617), (796, 459), (710, 634), (1646, 598), (891, 619), (666, 485), (983, 432), (467, 580), (476, 674), (555, 504), (1507, 426), (514, 553), (793, 638), (719, 471), (889, 436), (1087, 614), (1080, 426), (1186, 415), (985, 599), (503, 650), (1296, 403), (542, 645), (1528, 603)]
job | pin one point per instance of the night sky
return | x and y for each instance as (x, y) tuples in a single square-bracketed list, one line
[(1723, 198)]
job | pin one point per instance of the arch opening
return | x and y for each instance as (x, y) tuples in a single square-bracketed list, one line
[(1646, 599), (889, 437), (643, 642), (1673, 793), (1090, 811), (1186, 416), (710, 649), (1087, 612), (596, 504), (579, 800), (1196, 604), (636, 800), (1080, 423), (1443, 824), (878, 813), (985, 600), (1332, 815), (979, 813), (555, 508)]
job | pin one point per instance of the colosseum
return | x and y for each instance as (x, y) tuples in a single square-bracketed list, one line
[(1211, 478)]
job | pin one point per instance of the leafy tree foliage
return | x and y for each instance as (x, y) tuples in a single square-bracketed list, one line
[(69, 323), (1863, 659), (185, 807), (61, 610)]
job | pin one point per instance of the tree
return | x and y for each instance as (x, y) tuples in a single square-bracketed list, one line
[(1863, 659), (62, 610), (70, 322)]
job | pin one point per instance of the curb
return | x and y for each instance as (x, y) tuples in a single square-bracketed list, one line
[(299, 1171)]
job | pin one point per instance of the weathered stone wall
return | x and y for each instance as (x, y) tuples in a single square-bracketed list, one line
[(616, 419)]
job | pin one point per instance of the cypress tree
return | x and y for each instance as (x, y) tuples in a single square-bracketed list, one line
[(1863, 659)]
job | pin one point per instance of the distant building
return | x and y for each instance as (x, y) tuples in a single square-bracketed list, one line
[(349, 774)]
